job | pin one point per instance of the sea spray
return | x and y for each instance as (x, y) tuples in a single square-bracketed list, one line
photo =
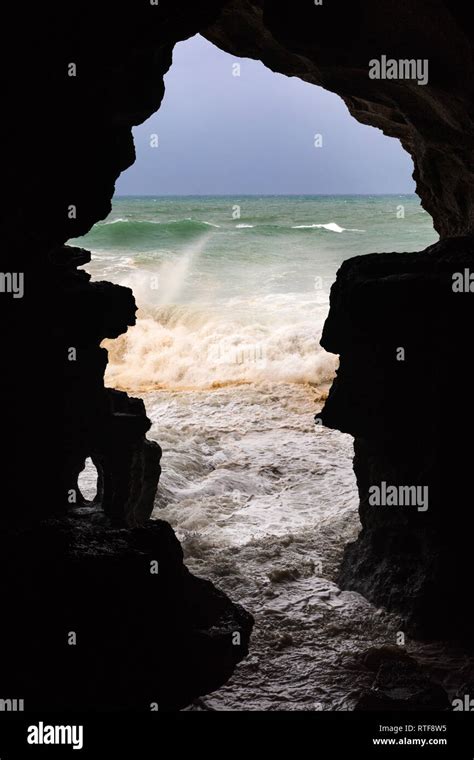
[(204, 346)]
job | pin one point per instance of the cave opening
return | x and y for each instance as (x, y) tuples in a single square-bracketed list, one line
[(414, 564), (232, 289)]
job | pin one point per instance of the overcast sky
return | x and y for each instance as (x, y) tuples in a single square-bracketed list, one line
[(255, 134)]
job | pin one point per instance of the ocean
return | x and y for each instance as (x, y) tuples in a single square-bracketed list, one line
[(232, 295)]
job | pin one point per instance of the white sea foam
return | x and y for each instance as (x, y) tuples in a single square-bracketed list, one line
[(200, 221), (183, 347), (331, 227), (184, 340), (156, 221)]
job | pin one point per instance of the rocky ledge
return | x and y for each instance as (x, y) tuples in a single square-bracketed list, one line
[(401, 324), (106, 618)]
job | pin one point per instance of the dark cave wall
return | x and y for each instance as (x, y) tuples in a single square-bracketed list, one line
[(66, 140), (410, 419)]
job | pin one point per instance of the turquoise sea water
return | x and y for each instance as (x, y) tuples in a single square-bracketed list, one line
[(308, 232), (219, 279)]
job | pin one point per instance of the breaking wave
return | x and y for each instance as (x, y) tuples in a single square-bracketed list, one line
[(147, 235), (201, 346)]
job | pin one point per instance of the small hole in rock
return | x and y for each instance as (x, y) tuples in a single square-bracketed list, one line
[(87, 481)]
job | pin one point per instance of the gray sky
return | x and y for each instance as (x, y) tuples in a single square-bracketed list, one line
[(255, 134)]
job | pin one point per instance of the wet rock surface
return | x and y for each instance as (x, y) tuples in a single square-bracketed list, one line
[(400, 684), (409, 429)]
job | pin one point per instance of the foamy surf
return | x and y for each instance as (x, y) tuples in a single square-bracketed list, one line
[(331, 227), (196, 347)]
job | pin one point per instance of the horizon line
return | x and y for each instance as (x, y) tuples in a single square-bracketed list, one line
[(254, 195)]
